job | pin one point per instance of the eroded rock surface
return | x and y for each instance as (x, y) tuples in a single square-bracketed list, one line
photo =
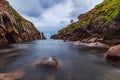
[(101, 24), (14, 28)]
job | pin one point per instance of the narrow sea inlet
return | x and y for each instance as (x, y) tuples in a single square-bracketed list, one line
[(76, 62)]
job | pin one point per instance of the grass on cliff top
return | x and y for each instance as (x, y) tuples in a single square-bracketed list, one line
[(17, 16), (66, 29), (108, 10), (104, 12)]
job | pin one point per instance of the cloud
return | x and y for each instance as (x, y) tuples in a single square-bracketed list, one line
[(82, 6), (49, 3), (57, 14), (51, 15)]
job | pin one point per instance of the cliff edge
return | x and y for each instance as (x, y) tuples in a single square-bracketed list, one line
[(101, 24), (13, 27)]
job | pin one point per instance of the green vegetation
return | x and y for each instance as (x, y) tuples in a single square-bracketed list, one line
[(17, 16), (104, 12), (69, 28), (108, 11), (83, 23)]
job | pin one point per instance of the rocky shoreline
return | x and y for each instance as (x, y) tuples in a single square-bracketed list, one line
[(108, 35), (98, 27)]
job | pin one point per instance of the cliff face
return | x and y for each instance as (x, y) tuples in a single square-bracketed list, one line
[(13, 27), (101, 23)]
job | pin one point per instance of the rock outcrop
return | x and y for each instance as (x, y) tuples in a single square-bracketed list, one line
[(101, 24), (48, 62), (17, 75), (13, 27), (113, 54)]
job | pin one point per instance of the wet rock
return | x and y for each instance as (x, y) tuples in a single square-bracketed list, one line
[(92, 40), (108, 42), (101, 44), (48, 62), (115, 41), (97, 44), (113, 53), (85, 40), (77, 43), (11, 76)]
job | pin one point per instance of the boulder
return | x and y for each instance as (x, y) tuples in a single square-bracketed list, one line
[(48, 62), (12, 75), (92, 40), (77, 43), (115, 41), (85, 40), (113, 53)]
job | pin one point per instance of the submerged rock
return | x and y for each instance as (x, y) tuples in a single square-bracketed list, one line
[(48, 62)]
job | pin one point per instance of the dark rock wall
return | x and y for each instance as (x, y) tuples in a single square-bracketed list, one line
[(13, 27)]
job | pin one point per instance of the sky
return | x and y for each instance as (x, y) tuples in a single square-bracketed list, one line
[(51, 15)]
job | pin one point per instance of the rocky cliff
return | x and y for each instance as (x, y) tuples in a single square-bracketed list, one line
[(99, 24), (13, 27)]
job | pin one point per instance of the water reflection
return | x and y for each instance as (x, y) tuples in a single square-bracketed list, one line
[(77, 62)]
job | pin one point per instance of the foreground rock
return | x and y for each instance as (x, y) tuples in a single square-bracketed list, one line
[(11, 76), (48, 62), (14, 28), (113, 54)]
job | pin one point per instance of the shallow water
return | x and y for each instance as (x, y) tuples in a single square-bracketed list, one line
[(76, 62)]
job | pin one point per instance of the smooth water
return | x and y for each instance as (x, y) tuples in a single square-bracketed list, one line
[(76, 62)]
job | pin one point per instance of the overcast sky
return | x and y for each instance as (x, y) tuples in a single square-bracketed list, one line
[(51, 15)]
